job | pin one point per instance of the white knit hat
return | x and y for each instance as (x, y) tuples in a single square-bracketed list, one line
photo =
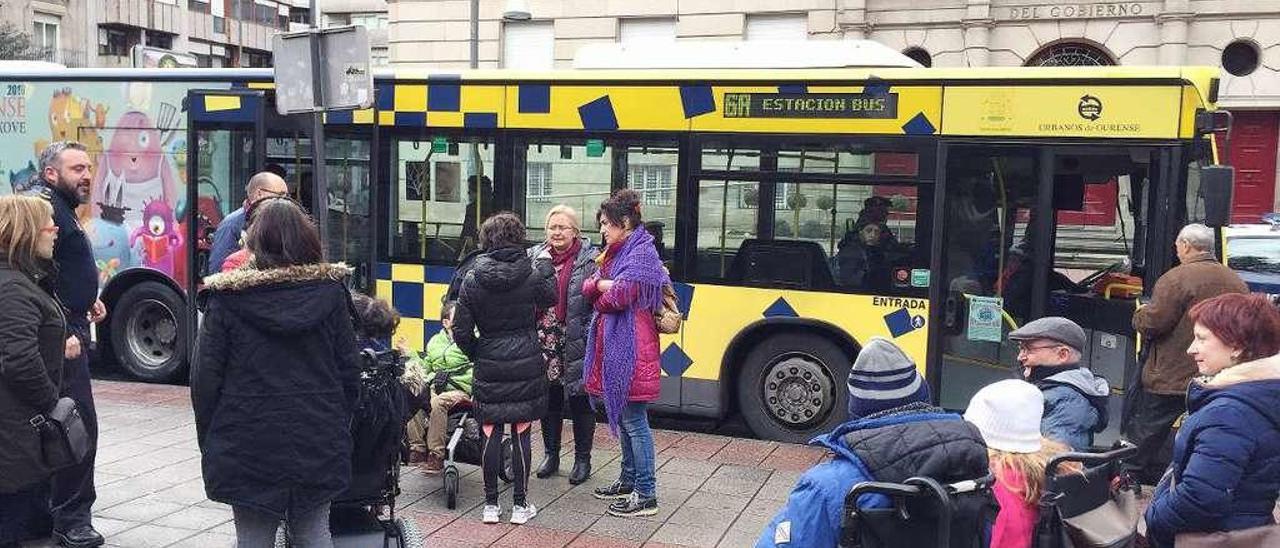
[(1008, 415)]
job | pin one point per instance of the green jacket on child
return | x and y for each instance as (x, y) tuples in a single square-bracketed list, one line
[(443, 355)]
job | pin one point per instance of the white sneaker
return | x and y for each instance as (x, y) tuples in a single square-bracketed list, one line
[(522, 514), (493, 514)]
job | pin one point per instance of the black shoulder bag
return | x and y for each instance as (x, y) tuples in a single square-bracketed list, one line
[(64, 441)]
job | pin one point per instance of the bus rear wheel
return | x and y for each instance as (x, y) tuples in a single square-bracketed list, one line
[(148, 333), (792, 387)]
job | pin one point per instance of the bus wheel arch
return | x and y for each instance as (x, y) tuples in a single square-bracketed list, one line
[(796, 354), (145, 331)]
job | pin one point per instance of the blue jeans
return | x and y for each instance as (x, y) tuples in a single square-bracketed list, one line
[(637, 449)]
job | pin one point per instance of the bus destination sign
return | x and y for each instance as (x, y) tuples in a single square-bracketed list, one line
[(811, 105)]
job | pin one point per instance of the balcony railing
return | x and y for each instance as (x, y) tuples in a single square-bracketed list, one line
[(72, 58)]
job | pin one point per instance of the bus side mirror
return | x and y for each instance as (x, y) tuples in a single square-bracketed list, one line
[(1216, 183)]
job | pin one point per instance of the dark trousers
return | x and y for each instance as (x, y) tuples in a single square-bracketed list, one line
[(1151, 429), (491, 457), (24, 515), (584, 421), (72, 494)]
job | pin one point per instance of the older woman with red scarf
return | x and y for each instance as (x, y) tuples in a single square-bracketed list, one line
[(562, 333), (622, 360)]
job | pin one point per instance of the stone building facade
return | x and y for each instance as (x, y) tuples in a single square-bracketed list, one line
[(1242, 36)]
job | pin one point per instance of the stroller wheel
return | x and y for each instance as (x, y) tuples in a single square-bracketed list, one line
[(451, 487), (505, 473)]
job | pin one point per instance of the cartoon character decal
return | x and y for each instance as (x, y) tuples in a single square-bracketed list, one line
[(160, 238), (22, 180), (76, 119), (112, 248), (135, 161)]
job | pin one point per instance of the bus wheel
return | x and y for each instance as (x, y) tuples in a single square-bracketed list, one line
[(792, 387), (148, 332)]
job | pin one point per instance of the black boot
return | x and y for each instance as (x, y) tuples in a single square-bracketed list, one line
[(581, 470), (550, 465)]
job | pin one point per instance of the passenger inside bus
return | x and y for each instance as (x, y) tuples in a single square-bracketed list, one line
[(863, 257)]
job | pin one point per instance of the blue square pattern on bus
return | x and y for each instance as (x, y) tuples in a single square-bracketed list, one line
[(697, 100), (780, 309), (598, 115), (406, 297), (674, 361), (534, 99), (919, 125), (899, 322), (444, 97)]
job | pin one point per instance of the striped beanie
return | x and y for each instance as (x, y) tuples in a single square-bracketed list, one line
[(883, 377)]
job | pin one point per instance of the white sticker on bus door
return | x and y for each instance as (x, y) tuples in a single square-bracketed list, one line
[(984, 318)]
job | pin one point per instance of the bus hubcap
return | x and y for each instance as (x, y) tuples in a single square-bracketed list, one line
[(152, 331), (797, 390)]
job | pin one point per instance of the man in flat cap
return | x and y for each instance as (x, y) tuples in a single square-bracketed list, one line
[(1075, 400)]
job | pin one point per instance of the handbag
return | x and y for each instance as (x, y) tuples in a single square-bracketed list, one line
[(669, 317), (64, 441), (1256, 537)]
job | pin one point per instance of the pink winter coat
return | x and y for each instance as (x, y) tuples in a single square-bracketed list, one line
[(1016, 522), (646, 381)]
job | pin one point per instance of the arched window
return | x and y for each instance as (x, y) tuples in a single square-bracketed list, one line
[(1070, 54)]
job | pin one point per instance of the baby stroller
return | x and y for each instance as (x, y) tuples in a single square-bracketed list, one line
[(1092, 508), (465, 445), (357, 517), (922, 512)]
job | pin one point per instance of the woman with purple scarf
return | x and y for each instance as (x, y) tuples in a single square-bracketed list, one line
[(622, 361)]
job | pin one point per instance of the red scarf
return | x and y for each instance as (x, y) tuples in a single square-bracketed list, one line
[(563, 263)]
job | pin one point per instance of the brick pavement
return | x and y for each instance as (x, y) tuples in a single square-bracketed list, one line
[(714, 490)]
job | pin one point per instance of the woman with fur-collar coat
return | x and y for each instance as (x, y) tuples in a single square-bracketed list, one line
[(274, 382)]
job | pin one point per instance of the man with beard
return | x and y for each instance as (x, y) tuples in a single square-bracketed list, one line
[(66, 172)]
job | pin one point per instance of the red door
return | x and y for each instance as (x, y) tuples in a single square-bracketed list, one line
[(1253, 154)]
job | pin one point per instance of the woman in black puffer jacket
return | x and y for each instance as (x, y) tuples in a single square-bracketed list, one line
[(500, 297), (275, 380)]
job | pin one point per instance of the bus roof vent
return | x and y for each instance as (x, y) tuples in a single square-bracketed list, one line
[(29, 66), (758, 54)]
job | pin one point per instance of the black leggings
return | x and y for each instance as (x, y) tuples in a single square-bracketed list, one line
[(492, 461), (584, 421)]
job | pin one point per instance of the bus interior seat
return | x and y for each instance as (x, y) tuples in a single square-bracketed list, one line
[(794, 264)]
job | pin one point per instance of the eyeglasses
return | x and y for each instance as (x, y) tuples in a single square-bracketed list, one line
[(560, 228), (273, 193), (1025, 348)]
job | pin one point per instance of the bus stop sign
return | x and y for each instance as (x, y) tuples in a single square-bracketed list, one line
[(344, 70)]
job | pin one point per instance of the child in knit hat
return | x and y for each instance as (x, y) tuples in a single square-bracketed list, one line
[(1008, 414), (887, 401)]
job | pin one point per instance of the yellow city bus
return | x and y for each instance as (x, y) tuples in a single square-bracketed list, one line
[(984, 187)]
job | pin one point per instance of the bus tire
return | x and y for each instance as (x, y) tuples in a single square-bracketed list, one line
[(148, 333), (792, 387)]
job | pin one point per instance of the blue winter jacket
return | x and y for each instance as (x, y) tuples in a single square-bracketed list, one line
[(1075, 407), (1225, 473), (920, 442)]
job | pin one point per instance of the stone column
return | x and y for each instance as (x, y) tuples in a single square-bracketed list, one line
[(1174, 21), (977, 24), (852, 19)]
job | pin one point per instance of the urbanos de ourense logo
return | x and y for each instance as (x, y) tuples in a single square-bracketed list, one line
[(1090, 108)]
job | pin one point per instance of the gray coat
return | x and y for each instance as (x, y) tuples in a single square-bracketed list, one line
[(1075, 406), (577, 317), (32, 340)]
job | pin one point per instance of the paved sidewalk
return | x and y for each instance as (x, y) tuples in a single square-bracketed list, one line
[(713, 490)]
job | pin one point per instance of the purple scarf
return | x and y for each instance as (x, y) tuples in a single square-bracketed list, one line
[(635, 267)]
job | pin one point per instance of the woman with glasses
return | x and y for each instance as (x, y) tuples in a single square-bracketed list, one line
[(32, 345), (274, 382), (562, 333)]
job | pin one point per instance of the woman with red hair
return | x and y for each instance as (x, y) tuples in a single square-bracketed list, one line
[(1225, 473)]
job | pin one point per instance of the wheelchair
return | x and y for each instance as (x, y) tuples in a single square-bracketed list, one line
[(922, 512), (1095, 506), (466, 445)]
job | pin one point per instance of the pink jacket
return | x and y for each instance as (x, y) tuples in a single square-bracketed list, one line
[(1016, 522), (646, 381)]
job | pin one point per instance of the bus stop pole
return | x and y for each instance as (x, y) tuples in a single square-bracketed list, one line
[(319, 180)]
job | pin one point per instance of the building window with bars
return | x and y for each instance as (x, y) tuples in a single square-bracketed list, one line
[(538, 182), (654, 182)]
